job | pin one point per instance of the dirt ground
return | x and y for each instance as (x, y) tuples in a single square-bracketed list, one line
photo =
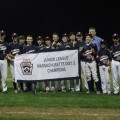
[(60, 113)]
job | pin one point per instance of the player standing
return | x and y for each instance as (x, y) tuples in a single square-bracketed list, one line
[(30, 48), (89, 51), (3, 60), (104, 60), (115, 49), (14, 49)]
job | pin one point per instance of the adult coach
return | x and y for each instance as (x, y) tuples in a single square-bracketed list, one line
[(3, 60)]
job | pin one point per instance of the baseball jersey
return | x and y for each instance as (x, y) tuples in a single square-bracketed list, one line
[(65, 46), (79, 45), (104, 56), (15, 48), (4, 49), (88, 53), (30, 49), (115, 52), (40, 48)]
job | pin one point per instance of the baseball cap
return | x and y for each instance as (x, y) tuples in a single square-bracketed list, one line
[(64, 35), (39, 38), (14, 35), (2, 32), (88, 34), (115, 36), (72, 33), (47, 38), (79, 34), (103, 42)]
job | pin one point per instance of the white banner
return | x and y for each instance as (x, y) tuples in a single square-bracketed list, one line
[(47, 65)]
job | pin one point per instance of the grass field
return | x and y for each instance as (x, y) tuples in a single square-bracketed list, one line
[(58, 106)]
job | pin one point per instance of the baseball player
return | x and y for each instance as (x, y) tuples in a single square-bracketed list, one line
[(30, 48), (3, 60), (14, 49), (72, 43), (81, 43), (40, 48), (21, 40), (104, 60), (115, 65), (95, 40), (49, 86), (55, 45), (65, 45), (89, 51)]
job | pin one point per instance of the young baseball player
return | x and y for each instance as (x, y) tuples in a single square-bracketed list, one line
[(89, 51), (73, 41), (14, 49), (49, 86), (55, 45), (95, 40), (65, 45), (3, 60), (30, 48), (80, 43), (40, 48), (104, 60), (115, 65), (21, 40)]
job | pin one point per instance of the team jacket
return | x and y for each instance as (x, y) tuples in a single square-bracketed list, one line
[(4, 49), (104, 56)]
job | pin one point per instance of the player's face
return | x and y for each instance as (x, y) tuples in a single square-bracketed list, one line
[(2, 37), (22, 41), (116, 40), (15, 39), (88, 39), (92, 31), (72, 37), (40, 42), (48, 42), (102, 46), (55, 38), (29, 40), (79, 38), (65, 39)]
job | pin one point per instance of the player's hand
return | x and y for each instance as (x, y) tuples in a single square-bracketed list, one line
[(67, 46), (80, 49), (93, 50)]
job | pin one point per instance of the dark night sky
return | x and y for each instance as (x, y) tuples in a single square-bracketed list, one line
[(48, 16)]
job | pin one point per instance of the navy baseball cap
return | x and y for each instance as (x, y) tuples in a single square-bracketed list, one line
[(79, 34), (103, 42), (14, 35), (115, 36), (39, 38), (47, 38), (2, 32), (64, 35)]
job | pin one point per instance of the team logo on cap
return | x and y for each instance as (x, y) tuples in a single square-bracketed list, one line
[(26, 67)]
